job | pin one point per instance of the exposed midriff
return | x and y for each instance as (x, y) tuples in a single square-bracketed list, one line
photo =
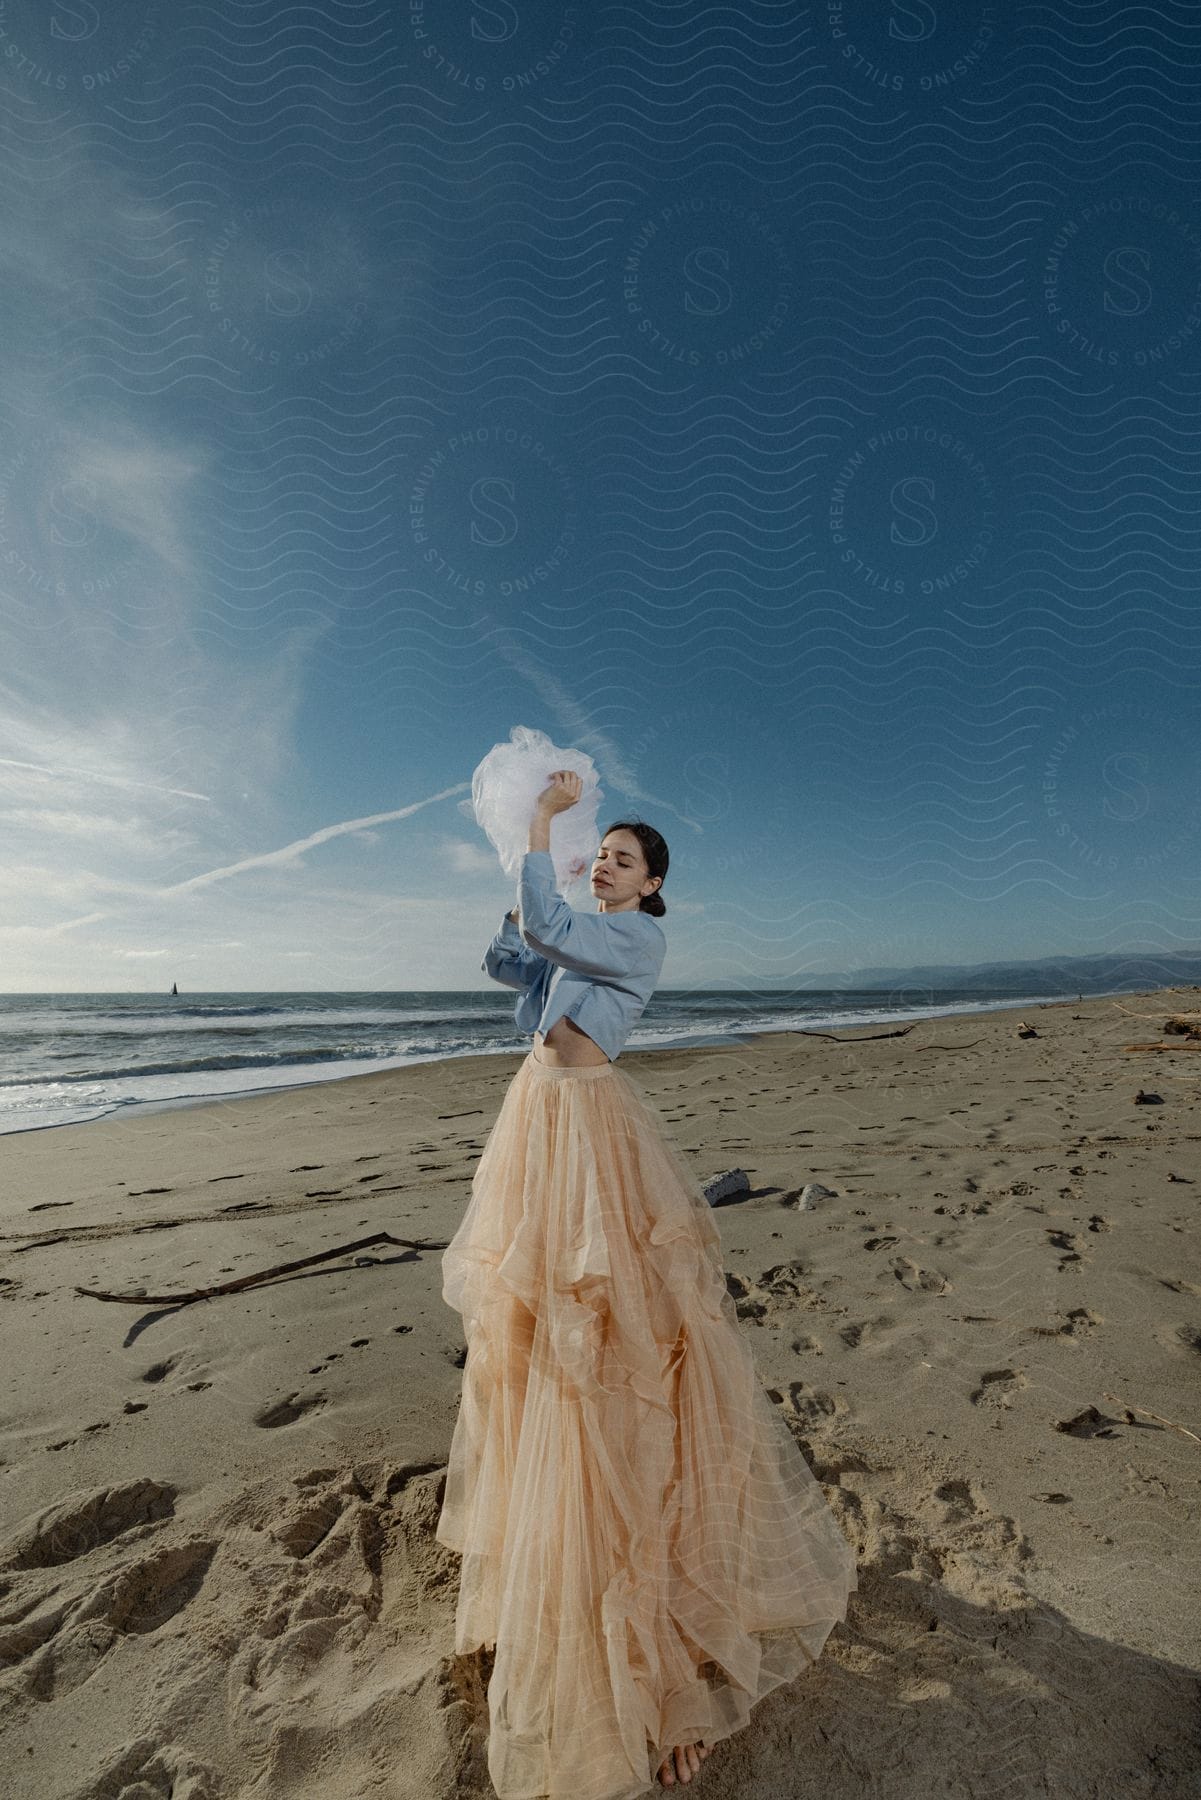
[(565, 1046)]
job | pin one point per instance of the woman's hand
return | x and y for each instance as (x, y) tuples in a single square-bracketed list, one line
[(564, 790)]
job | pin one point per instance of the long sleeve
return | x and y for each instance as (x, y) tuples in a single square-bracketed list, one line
[(508, 961), (614, 944)]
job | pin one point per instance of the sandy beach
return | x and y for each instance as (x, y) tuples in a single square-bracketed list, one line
[(219, 1575)]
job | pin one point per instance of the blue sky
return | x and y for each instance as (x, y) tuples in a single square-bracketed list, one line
[(794, 407)]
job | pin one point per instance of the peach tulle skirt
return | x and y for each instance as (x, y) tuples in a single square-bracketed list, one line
[(642, 1541)]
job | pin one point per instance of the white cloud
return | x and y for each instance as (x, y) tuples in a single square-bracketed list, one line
[(142, 734), (469, 859), (44, 885), (130, 837)]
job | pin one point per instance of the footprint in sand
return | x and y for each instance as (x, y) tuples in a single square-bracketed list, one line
[(1065, 1241), (959, 1500), (151, 1770), (288, 1410), (747, 1302), (919, 1280), (967, 1209), (777, 1290), (61, 1632), (810, 1407), (305, 1525), (1182, 1339), (865, 1331), (998, 1387), (70, 1641), (1078, 1323), (84, 1521), (149, 1592), (157, 1370), (784, 1279), (958, 1514)]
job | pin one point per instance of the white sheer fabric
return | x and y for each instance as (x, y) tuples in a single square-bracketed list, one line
[(505, 789)]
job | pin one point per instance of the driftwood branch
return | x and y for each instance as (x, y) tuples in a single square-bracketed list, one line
[(245, 1281), (866, 1039), (1171, 1425), (871, 1037), (1180, 1046), (1178, 1024), (1132, 1013)]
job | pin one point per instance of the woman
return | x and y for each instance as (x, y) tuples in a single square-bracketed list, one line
[(642, 1541)]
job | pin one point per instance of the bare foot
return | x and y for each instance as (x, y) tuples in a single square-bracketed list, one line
[(683, 1764)]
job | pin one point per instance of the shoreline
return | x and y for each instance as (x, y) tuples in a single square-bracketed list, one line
[(131, 1109), (180, 1103)]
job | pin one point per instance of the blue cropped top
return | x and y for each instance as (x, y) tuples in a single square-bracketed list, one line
[(598, 969)]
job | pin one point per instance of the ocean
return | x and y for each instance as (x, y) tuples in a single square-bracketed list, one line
[(69, 1058)]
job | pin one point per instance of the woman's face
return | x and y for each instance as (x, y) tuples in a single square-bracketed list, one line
[(618, 872)]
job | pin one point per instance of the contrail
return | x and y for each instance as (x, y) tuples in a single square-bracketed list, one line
[(121, 781), (551, 690), (286, 853), (289, 851)]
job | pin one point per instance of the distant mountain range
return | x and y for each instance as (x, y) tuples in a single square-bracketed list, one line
[(1104, 974)]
